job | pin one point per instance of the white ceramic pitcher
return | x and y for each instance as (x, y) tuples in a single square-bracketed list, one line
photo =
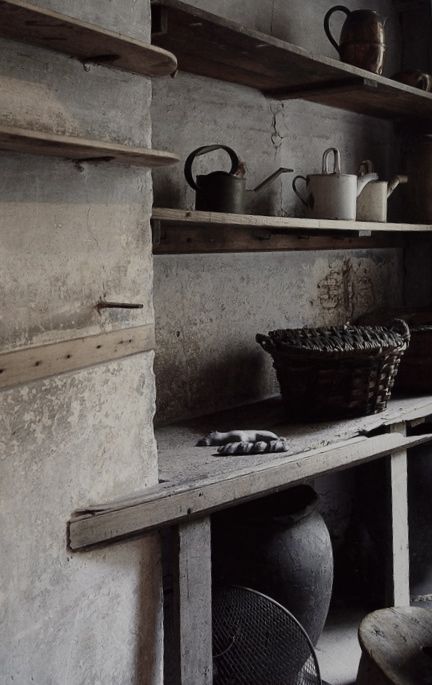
[(332, 195), (372, 201)]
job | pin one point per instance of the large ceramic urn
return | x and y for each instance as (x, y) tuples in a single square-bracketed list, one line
[(279, 545)]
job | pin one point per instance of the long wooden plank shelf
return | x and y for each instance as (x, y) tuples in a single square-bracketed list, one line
[(179, 231), (197, 481), (81, 149), (27, 23), (28, 364), (208, 45)]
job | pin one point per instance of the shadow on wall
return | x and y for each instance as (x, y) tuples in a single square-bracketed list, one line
[(237, 375)]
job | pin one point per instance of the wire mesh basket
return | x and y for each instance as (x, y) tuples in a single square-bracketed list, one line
[(256, 641)]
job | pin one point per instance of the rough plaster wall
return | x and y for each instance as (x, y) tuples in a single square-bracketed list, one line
[(69, 236), (209, 307)]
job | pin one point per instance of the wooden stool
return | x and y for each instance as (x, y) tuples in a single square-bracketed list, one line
[(396, 647)]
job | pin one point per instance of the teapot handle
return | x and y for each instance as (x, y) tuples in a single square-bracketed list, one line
[(235, 162), (337, 8), (336, 161)]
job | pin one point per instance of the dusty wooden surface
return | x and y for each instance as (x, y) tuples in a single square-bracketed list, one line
[(32, 363), (396, 645), (210, 46), (38, 143), (180, 460), (195, 496), (25, 22)]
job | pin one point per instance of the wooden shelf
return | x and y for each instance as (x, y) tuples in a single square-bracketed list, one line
[(26, 23), (179, 231), (51, 144), (210, 46), (196, 481)]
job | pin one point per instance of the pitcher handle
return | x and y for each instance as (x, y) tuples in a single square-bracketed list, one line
[(235, 162), (337, 8), (336, 161), (294, 186)]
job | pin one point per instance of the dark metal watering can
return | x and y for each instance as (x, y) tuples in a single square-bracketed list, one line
[(222, 191)]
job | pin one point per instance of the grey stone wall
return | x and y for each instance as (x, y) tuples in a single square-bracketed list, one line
[(209, 307), (70, 235)]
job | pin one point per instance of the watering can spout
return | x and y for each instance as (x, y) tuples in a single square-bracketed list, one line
[(393, 184), (271, 178)]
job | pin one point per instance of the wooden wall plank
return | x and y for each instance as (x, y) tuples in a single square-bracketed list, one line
[(33, 363)]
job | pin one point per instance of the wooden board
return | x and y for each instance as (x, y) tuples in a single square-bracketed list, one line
[(180, 231), (192, 630), (33, 363), (37, 143), (210, 46), (187, 217), (398, 583), (27, 23), (167, 504)]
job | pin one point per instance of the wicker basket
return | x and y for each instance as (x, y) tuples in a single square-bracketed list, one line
[(415, 371), (330, 373)]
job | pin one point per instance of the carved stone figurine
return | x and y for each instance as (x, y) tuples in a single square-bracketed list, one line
[(239, 442)]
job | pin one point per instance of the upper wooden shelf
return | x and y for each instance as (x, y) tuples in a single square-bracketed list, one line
[(180, 231), (210, 46), (29, 24), (82, 149), (196, 481)]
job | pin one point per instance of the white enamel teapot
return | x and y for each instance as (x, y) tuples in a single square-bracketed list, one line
[(333, 195)]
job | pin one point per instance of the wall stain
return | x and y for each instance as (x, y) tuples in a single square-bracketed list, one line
[(347, 288)]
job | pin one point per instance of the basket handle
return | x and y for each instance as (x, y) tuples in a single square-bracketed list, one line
[(265, 341), (402, 327)]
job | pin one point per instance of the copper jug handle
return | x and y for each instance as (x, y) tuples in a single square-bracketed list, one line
[(337, 8), (235, 162)]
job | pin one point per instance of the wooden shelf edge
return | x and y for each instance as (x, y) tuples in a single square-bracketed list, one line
[(35, 363), (24, 22), (172, 503), (21, 140), (192, 217), (178, 231)]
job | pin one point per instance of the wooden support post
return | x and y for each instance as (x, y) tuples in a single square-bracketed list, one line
[(190, 644), (398, 587)]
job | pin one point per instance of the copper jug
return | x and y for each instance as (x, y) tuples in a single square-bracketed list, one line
[(361, 41)]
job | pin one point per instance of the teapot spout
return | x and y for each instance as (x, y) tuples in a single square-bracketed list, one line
[(393, 184), (271, 178), (362, 181)]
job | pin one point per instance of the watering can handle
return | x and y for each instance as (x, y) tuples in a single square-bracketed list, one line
[(235, 162), (337, 8), (366, 167), (336, 161), (295, 189)]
